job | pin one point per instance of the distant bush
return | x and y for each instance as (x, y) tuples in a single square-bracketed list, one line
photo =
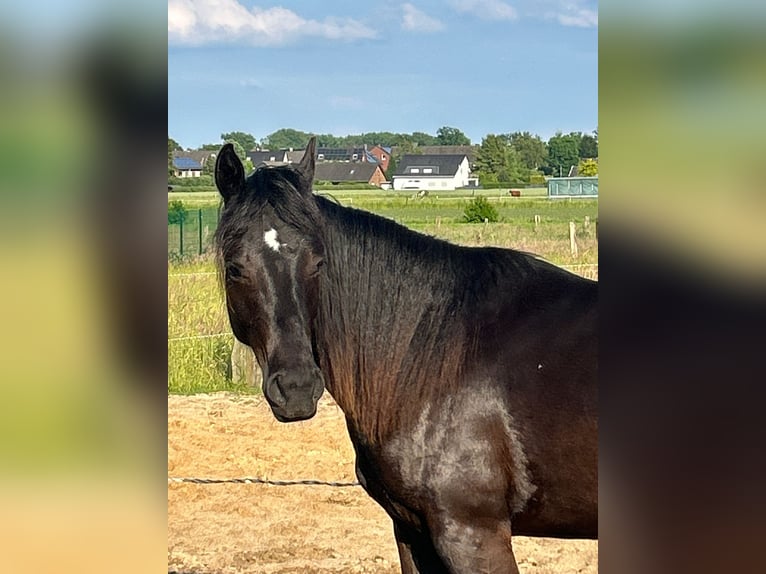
[(478, 210), (587, 168), (537, 179), (344, 185), (512, 184), (201, 181), (176, 212)]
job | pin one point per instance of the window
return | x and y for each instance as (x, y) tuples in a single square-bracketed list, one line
[(415, 170), (428, 170)]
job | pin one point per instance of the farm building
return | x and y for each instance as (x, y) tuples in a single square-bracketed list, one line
[(186, 167), (346, 172), (433, 172), (572, 187)]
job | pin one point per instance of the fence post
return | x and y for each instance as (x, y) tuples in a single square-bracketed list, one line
[(244, 367), (181, 235), (572, 241), (199, 229)]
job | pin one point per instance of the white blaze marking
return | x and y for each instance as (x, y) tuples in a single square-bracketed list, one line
[(270, 237)]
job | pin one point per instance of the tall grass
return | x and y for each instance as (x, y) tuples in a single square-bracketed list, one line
[(199, 338)]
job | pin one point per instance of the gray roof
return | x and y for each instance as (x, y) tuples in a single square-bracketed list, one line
[(295, 156), (469, 150), (343, 171), (442, 165), (258, 156)]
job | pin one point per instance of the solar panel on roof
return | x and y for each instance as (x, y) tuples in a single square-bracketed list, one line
[(186, 163)]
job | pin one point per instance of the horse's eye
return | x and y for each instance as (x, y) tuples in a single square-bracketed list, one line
[(233, 271), (318, 263)]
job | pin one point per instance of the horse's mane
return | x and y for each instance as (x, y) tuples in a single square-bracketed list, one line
[(402, 312)]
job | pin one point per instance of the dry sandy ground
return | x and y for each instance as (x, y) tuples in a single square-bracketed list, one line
[(249, 528)]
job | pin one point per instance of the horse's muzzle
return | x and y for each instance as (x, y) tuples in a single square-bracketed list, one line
[(293, 395)]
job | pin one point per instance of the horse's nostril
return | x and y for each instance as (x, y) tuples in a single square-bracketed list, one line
[(275, 392)]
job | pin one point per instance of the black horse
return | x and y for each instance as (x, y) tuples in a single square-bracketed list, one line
[(467, 375)]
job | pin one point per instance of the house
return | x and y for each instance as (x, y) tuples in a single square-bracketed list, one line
[(382, 155), (433, 172), (200, 156), (186, 167), (348, 172), (258, 157)]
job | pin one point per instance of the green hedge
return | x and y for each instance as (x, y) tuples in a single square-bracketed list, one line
[(201, 181), (324, 185), (511, 184)]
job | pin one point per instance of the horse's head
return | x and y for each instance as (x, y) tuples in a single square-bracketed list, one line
[(270, 254)]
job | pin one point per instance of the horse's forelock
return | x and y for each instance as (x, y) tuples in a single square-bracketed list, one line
[(277, 187)]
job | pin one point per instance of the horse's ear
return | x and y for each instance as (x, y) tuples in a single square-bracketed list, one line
[(229, 173), (306, 167)]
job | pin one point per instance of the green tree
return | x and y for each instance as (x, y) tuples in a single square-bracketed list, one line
[(587, 167), (478, 210), (422, 138), (176, 212), (451, 136), (391, 168), (211, 146), (247, 141), (589, 146), (286, 138), (172, 146), (405, 147), (563, 153), (209, 167), (531, 149), (496, 161)]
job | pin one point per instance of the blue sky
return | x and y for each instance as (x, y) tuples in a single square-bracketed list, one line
[(343, 67)]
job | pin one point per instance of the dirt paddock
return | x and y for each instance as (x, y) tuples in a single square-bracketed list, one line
[(250, 528)]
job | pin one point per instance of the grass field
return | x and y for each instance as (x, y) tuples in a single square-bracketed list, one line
[(200, 343)]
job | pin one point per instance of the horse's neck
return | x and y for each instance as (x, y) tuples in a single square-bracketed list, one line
[(373, 313)]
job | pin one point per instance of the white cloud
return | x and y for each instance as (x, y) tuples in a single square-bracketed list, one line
[(579, 17), (486, 9), (415, 20), (196, 22), (576, 13)]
